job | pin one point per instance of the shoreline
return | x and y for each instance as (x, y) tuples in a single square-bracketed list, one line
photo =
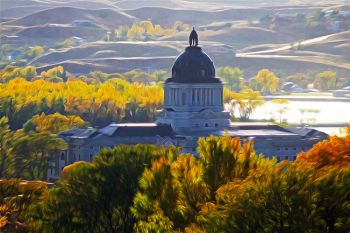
[(308, 98)]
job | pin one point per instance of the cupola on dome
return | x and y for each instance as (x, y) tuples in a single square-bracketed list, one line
[(193, 65)]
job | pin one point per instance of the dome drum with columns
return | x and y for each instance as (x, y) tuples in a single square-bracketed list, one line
[(193, 96)]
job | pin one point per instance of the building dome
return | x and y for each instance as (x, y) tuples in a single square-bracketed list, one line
[(193, 65)]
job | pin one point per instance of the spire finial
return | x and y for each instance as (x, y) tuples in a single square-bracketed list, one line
[(193, 41)]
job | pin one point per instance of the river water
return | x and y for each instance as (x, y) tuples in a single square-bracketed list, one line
[(309, 113)]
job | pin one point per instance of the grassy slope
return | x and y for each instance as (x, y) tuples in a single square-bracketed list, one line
[(65, 15)]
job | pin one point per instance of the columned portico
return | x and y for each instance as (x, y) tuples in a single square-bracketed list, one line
[(193, 97)]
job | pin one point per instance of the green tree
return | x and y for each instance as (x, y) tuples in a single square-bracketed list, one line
[(122, 32), (232, 76), (97, 196), (5, 146), (159, 75), (35, 51), (32, 153)]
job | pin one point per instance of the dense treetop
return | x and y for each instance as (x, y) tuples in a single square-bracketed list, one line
[(228, 188)]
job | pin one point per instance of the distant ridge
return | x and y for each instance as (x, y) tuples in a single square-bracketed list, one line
[(168, 16), (108, 17)]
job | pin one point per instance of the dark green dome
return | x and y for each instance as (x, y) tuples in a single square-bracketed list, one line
[(193, 66)]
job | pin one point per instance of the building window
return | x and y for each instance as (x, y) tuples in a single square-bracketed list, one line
[(203, 73), (62, 156), (278, 158), (91, 157), (183, 98), (216, 125), (286, 158), (79, 157), (206, 125)]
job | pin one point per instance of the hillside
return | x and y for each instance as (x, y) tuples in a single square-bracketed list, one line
[(326, 50), (65, 15), (165, 16), (237, 37), (101, 50), (282, 36), (59, 32), (123, 56)]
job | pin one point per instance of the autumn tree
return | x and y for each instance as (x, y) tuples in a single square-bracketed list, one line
[(97, 196), (136, 32), (35, 51), (245, 102), (56, 74), (56, 122), (265, 82), (326, 80), (17, 197), (12, 72), (98, 103)]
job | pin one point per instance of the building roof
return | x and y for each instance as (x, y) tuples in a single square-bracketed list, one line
[(308, 132), (137, 130), (121, 130), (79, 133)]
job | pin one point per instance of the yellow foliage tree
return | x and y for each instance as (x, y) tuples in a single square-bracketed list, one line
[(56, 122), (265, 82), (136, 31)]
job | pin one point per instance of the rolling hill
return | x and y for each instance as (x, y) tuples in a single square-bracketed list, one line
[(109, 18), (166, 16), (229, 31)]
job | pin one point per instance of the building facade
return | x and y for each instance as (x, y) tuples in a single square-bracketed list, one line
[(193, 108)]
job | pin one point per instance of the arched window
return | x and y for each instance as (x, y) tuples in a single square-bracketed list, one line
[(62, 156)]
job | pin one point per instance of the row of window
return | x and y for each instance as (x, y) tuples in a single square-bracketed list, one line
[(207, 125)]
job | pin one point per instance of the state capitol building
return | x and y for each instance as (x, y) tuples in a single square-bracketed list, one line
[(193, 108)]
